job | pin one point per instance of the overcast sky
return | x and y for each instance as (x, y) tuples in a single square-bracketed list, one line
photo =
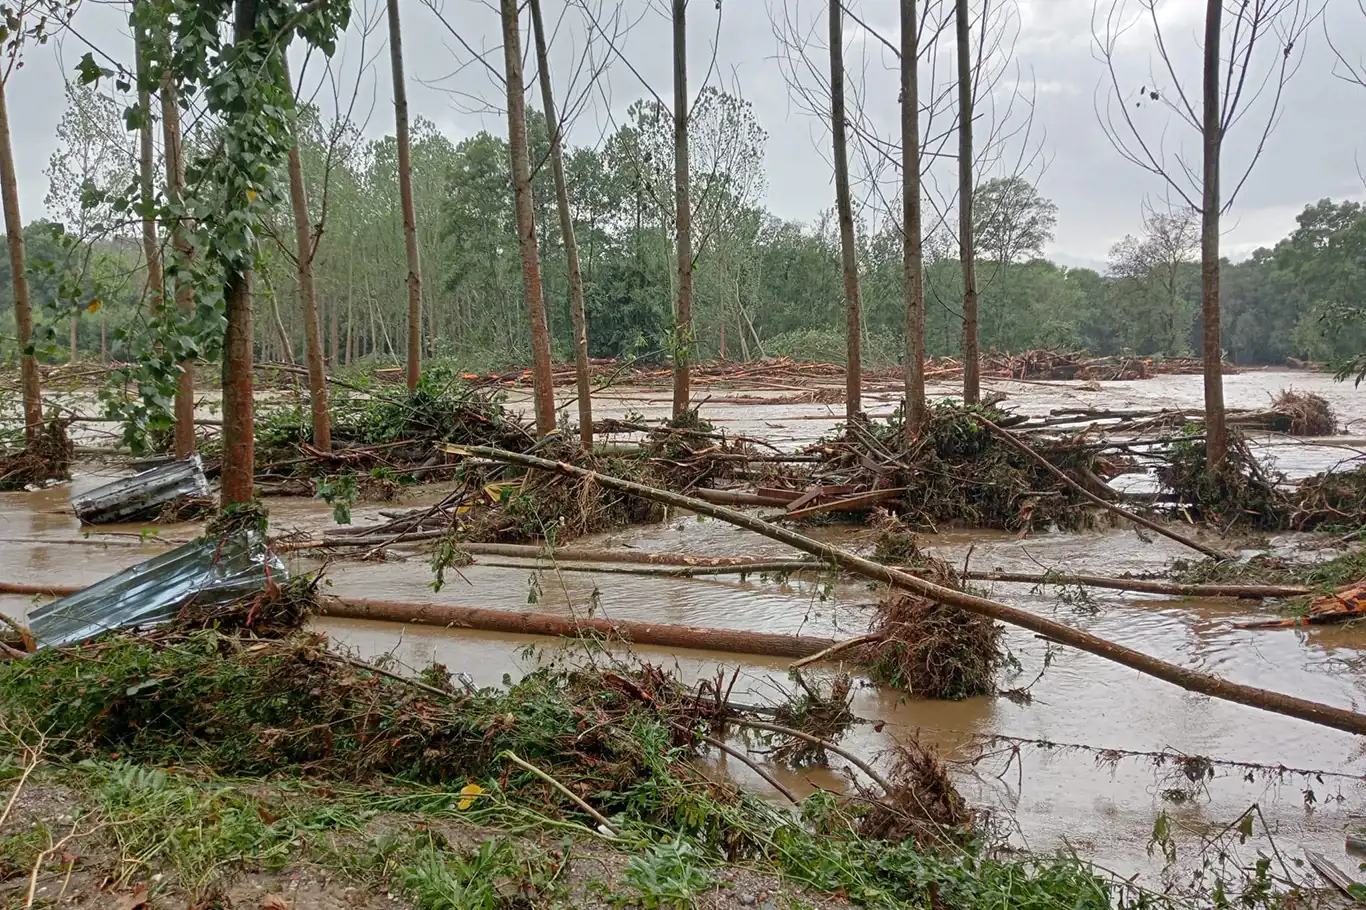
[(1312, 154)]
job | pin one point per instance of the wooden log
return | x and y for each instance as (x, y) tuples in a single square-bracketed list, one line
[(738, 498), (583, 554), (853, 503), (1186, 678), (1143, 585), (451, 616)]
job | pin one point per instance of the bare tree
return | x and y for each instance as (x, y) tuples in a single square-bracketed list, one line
[(913, 264), (405, 185), (542, 379), (305, 248), (972, 387), (1153, 266), (571, 249), (14, 231), (1250, 73), (683, 331), (853, 320)]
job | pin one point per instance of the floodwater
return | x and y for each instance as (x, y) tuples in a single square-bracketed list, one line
[(1048, 798)]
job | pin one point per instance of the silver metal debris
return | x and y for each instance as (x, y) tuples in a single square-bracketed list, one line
[(143, 494)]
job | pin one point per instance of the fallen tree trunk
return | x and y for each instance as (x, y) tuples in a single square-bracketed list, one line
[(1143, 585), (640, 633), (777, 565), (584, 554), (1010, 439), (1191, 680)]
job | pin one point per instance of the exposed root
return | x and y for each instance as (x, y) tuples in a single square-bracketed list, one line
[(47, 457), (934, 650), (820, 711), (1304, 414), (923, 804)]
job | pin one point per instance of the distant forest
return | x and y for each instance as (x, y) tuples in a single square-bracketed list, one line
[(763, 286)]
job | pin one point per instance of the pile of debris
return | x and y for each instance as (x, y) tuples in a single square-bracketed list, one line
[(957, 473), (46, 457)]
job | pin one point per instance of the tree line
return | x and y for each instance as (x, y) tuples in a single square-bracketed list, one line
[(266, 230)]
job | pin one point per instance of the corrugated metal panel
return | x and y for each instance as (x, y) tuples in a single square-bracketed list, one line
[(206, 572), (142, 494)]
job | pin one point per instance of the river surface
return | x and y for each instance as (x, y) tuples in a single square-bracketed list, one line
[(1048, 798)]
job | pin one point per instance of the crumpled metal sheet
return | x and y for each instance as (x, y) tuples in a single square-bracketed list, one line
[(206, 572), (143, 494)]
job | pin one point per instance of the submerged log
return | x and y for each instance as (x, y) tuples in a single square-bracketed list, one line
[(451, 616), (1191, 680)]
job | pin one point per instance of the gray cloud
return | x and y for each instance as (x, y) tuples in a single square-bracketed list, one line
[(1312, 154)]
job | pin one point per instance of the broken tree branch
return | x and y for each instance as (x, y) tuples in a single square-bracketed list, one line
[(1010, 439), (1191, 680)]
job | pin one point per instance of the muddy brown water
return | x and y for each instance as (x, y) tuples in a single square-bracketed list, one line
[(1048, 799)]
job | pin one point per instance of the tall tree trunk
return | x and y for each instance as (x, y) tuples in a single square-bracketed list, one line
[(281, 333), (350, 297), (308, 301), (683, 333), (853, 373), (151, 245), (334, 320), (239, 433), (405, 189), (104, 337), (972, 383), (526, 224), (184, 291), (571, 247), (23, 311), (912, 254), (74, 339), (239, 443), (1216, 431)]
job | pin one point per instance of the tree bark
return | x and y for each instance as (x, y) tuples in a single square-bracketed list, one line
[(1191, 680), (405, 189), (683, 333), (308, 302), (175, 182), (542, 378), (23, 311), (74, 338), (571, 247), (1216, 431), (913, 264), (972, 384), (853, 321), (239, 431), (151, 246), (451, 616)]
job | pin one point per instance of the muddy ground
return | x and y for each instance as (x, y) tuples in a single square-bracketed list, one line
[(1099, 804)]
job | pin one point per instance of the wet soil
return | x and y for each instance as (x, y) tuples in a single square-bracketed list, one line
[(1047, 798)]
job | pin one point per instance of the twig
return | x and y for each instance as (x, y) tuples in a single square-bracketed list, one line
[(834, 649), (1010, 439), (741, 757), (817, 741), (597, 816)]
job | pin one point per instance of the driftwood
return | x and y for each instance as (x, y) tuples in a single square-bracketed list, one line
[(1191, 680), (641, 633), (1009, 438)]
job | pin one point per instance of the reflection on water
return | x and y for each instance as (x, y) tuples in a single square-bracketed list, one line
[(1056, 796)]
